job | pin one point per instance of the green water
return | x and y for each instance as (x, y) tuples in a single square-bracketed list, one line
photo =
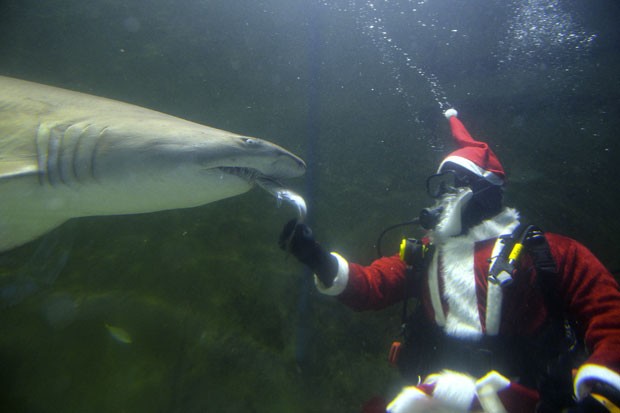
[(218, 317)]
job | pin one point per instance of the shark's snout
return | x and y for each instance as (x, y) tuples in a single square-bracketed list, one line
[(259, 157), (289, 166)]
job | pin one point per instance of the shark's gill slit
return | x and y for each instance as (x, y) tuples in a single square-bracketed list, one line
[(52, 157)]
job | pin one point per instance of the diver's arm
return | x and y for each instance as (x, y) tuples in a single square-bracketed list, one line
[(591, 296), (298, 239), (371, 287)]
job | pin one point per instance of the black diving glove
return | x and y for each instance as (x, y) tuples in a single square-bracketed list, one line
[(588, 405), (608, 400), (297, 238)]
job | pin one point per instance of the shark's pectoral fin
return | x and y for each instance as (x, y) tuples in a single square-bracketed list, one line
[(25, 212), (16, 231)]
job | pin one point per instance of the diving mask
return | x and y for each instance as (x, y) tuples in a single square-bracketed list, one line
[(445, 182)]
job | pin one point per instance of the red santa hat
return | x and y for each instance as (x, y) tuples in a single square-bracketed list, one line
[(473, 155)]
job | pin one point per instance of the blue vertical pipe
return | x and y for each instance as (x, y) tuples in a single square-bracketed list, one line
[(313, 46)]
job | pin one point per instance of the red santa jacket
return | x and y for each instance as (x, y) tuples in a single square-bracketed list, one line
[(458, 297)]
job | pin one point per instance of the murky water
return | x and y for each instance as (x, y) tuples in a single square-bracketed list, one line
[(197, 309)]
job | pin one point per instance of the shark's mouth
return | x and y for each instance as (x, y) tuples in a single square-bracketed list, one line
[(248, 174), (271, 185)]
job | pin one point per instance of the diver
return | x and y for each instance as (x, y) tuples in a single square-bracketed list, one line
[(508, 318)]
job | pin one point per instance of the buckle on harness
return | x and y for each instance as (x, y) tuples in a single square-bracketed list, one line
[(504, 266)]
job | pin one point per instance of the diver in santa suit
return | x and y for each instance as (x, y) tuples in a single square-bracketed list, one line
[(504, 308)]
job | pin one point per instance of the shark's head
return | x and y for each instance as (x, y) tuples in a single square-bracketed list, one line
[(143, 164), (67, 154), (175, 164)]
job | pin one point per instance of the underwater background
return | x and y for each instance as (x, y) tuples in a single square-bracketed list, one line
[(198, 309)]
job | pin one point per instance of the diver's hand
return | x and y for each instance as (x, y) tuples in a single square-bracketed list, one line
[(603, 398), (588, 405), (607, 399), (297, 238)]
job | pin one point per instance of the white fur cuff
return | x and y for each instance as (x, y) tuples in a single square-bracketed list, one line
[(487, 388), (593, 372), (453, 389), (341, 280), (410, 400)]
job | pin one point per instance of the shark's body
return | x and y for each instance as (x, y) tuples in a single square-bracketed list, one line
[(65, 154)]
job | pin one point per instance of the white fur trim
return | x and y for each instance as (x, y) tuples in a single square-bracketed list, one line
[(487, 388), (494, 380), (494, 295), (410, 400), (495, 299), (594, 372), (457, 268), (454, 389), (494, 290), (450, 112), (471, 166), (341, 280), (501, 224), (433, 286)]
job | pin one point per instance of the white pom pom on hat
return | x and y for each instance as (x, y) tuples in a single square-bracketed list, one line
[(450, 112), (473, 155)]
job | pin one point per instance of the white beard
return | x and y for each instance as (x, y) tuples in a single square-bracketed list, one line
[(450, 221)]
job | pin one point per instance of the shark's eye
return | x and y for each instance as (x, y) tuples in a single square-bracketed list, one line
[(250, 141)]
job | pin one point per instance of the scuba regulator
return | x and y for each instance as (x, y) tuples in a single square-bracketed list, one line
[(429, 217), (428, 220)]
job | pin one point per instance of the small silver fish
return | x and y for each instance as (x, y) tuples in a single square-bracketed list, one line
[(119, 334), (283, 194)]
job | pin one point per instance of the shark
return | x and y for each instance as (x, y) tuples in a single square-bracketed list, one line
[(66, 154)]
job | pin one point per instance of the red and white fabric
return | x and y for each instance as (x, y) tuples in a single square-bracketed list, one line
[(457, 295)]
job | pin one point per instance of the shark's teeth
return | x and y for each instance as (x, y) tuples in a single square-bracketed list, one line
[(245, 173)]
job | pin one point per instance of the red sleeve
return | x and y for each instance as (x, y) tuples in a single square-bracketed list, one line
[(591, 297), (376, 286)]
